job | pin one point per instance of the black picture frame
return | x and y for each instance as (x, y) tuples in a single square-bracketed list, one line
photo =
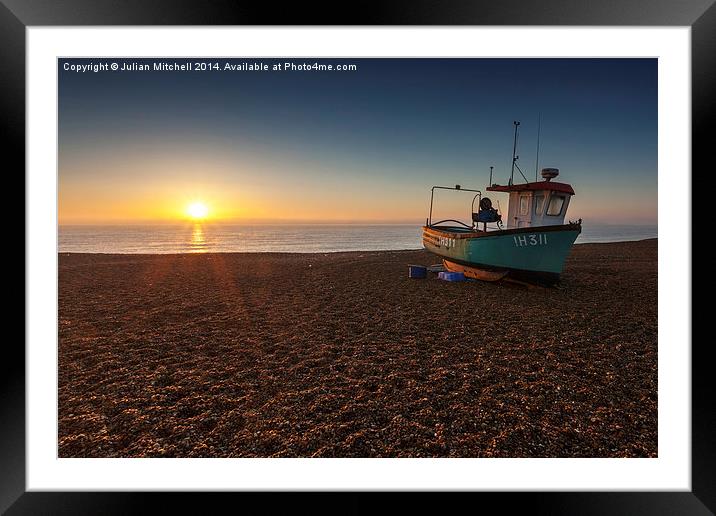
[(700, 15)]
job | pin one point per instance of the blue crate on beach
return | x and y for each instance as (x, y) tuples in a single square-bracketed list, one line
[(451, 276), (417, 271)]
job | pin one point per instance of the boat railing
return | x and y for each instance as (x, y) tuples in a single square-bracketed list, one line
[(478, 195)]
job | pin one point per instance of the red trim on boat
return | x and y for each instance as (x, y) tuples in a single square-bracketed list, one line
[(448, 231), (540, 185)]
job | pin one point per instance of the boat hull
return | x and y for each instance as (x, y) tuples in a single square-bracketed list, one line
[(535, 254)]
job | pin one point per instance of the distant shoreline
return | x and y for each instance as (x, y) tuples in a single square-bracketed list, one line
[(313, 253)]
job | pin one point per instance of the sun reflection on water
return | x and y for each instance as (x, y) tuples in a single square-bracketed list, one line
[(198, 242)]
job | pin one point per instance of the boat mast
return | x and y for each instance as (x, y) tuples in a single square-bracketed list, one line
[(514, 153), (539, 127), (490, 183)]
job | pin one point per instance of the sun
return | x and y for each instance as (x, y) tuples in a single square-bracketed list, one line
[(197, 210)]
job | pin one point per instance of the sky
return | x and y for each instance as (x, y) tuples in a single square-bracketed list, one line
[(355, 146)]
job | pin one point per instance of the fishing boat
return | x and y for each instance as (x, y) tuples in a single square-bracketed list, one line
[(531, 248)]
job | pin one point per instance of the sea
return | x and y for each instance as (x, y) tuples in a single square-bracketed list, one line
[(287, 238)]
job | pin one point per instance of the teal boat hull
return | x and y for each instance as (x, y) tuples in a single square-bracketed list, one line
[(535, 254)]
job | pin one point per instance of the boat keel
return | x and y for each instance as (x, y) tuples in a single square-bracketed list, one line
[(543, 279)]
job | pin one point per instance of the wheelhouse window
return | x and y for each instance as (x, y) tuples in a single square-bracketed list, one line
[(524, 205), (555, 205), (539, 204)]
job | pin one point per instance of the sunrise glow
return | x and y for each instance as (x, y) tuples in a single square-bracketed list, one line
[(363, 147), (197, 210)]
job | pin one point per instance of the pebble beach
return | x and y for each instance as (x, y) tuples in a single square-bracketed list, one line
[(344, 355)]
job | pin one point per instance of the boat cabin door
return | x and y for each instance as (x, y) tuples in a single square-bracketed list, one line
[(520, 211)]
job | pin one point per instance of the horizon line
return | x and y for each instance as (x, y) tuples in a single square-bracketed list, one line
[(299, 223)]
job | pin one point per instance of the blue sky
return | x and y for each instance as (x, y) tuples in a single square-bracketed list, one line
[(362, 145)]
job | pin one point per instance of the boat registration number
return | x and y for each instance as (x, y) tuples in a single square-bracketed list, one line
[(527, 240), (446, 242)]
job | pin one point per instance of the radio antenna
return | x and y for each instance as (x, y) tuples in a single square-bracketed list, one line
[(539, 127)]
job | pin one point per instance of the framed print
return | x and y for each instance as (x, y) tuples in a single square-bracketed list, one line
[(437, 250)]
